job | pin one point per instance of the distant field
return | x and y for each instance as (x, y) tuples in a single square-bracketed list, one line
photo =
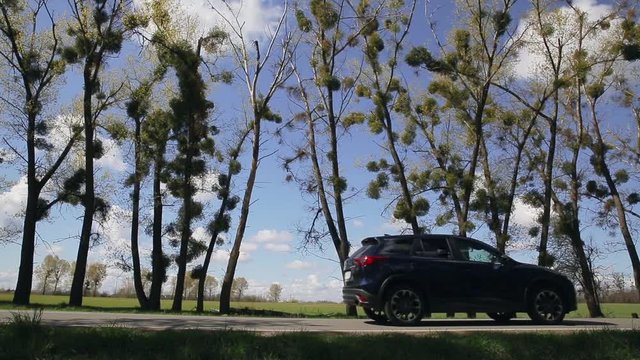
[(130, 304), (290, 308)]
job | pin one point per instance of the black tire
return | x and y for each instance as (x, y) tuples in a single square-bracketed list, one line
[(377, 316), (546, 306), (502, 317), (404, 306)]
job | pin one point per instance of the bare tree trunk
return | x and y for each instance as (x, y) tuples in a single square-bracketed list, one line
[(22, 293), (219, 216), (135, 220), (214, 237), (555, 60), (158, 266), (494, 225), (404, 184), (514, 177), (620, 208), (590, 289), (25, 275), (545, 221), (88, 200), (225, 292), (345, 246), (185, 234)]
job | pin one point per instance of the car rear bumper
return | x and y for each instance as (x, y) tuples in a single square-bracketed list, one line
[(355, 296)]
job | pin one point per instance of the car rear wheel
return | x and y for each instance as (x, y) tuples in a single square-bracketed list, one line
[(377, 316), (404, 306), (546, 306), (501, 317)]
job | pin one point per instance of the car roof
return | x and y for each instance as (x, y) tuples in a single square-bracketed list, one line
[(386, 237)]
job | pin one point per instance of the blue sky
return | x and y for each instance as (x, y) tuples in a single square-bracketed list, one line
[(271, 250)]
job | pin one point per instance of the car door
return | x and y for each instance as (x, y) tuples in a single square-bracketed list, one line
[(432, 260), (482, 277)]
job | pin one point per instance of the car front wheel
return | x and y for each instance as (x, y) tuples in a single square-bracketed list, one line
[(404, 306), (377, 316), (546, 306)]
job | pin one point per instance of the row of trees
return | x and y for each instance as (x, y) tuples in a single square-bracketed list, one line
[(53, 275), (457, 123)]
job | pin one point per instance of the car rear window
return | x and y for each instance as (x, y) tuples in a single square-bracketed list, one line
[(367, 244)]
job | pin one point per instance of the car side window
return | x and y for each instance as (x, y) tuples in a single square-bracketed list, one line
[(434, 248), (472, 251), (402, 246)]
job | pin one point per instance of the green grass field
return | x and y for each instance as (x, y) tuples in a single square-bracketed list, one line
[(290, 308), (28, 339)]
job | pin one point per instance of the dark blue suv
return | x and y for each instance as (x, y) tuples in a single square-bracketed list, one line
[(402, 278)]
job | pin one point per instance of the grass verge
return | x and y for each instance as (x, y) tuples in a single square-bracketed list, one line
[(25, 339), (280, 309)]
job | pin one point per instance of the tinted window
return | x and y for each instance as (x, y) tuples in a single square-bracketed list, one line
[(398, 246), (361, 251), (434, 247), (472, 251)]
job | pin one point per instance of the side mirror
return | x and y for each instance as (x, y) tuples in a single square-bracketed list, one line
[(501, 261)]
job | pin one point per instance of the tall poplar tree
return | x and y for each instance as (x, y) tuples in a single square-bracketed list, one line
[(98, 29), (325, 97), (191, 131), (30, 47), (253, 62), (382, 85)]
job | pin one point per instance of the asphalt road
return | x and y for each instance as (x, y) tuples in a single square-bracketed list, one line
[(275, 325)]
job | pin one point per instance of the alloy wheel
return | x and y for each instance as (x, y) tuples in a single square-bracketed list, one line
[(405, 307)]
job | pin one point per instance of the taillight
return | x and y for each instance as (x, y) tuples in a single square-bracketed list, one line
[(368, 260)]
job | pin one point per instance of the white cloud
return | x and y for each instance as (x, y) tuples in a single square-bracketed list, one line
[(13, 206), (117, 226), (61, 130), (257, 16), (299, 265), (55, 249), (523, 214), (593, 10), (204, 184), (268, 236), (201, 234), (273, 240), (357, 223), (249, 246), (311, 288), (112, 158), (222, 256), (532, 61), (277, 247), (394, 226), (115, 279), (8, 279)]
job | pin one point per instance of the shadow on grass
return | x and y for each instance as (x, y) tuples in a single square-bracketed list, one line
[(453, 323), (122, 343)]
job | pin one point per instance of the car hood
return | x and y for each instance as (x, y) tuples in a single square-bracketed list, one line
[(537, 268)]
